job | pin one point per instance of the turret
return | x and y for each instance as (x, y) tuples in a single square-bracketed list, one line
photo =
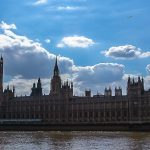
[(36, 91), (71, 85), (139, 80), (129, 80), (14, 90), (128, 85), (135, 88), (34, 85), (33, 90), (1, 78), (142, 85), (108, 92), (9, 93), (87, 93), (118, 91), (67, 89), (133, 80), (39, 83)]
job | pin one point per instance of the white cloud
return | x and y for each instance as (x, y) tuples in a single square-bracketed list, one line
[(99, 73), (145, 54), (125, 76), (25, 60), (40, 2), (97, 77), (5, 26), (68, 8), (76, 41), (47, 40), (148, 68), (147, 82), (126, 52), (23, 86), (28, 58)]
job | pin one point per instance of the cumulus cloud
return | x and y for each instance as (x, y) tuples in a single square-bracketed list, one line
[(125, 76), (47, 40), (125, 52), (148, 68), (147, 82), (75, 41), (98, 77), (99, 73), (145, 55), (68, 8), (5, 26), (95, 77), (23, 86), (26, 57), (25, 60), (40, 2)]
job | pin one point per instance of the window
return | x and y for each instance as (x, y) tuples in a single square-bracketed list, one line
[(85, 114), (80, 114), (96, 114), (91, 114)]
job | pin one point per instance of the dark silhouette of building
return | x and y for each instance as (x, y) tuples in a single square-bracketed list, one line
[(37, 90), (61, 107)]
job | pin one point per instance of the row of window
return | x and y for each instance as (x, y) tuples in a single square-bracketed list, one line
[(69, 115), (56, 108)]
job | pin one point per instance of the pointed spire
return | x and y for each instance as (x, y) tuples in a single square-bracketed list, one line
[(39, 83), (39, 80), (71, 84), (13, 89), (34, 85), (56, 70), (129, 79), (109, 88), (1, 58), (142, 82), (133, 80), (139, 79)]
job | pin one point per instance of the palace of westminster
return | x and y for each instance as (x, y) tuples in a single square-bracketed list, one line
[(62, 107)]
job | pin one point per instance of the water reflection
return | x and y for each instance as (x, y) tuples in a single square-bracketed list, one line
[(74, 140)]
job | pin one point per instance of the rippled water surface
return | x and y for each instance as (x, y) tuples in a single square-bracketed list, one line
[(74, 141)]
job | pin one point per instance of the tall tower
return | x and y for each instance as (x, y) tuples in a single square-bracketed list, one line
[(56, 81), (37, 91), (1, 78), (135, 88), (39, 87)]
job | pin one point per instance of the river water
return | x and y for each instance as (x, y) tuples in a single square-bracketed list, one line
[(74, 140)]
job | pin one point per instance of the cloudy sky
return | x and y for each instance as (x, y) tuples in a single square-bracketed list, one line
[(99, 43)]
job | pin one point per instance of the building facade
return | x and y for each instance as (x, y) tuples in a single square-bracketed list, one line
[(61, 107)]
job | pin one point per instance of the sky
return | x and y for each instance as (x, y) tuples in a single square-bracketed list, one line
[(99, 43)]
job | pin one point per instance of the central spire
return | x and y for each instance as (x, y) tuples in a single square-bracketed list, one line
[(56, 80), (56, 69)]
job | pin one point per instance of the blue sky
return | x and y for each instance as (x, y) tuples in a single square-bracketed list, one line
[(88, 32)]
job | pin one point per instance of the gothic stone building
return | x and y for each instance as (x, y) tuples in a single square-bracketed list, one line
[(61, 107)]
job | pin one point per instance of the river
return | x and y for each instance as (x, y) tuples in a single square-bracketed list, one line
[(74, 140)]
